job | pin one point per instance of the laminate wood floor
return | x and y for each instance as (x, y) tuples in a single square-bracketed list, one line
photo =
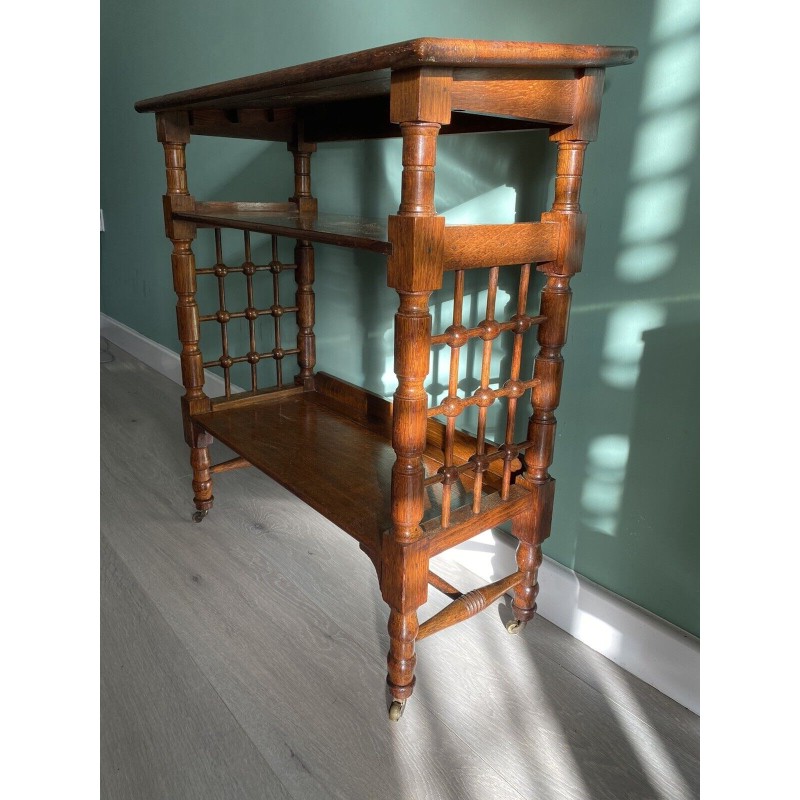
[(244, 657)]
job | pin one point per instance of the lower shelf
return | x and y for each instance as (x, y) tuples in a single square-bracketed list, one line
[(331, 448)]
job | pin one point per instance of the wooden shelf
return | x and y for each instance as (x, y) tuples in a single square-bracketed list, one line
[(332, 448), (340, 468), (337, 229)]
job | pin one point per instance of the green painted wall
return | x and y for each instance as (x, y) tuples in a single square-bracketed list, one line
[(627, 511)]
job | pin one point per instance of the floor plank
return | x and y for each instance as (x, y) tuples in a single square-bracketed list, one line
[(165, 732), (282, 614)]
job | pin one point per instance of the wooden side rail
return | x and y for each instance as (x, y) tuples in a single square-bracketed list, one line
[(231, 464), (473, 246), (252, 398), (550, 98), (271, 124), (463, 449), (438, 582), (464, 523), (468, 605)]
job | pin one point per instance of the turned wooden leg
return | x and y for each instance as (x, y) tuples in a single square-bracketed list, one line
[(403, 629), (201, 481), (531, 528), (420, 105), (404, 585), (404, 568), (173, 133)]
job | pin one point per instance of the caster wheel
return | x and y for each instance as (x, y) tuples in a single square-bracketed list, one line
[(515, 626), (199, 516), (396, 710)]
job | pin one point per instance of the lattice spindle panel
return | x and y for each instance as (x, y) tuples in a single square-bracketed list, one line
[(510, 388), (253, 304)]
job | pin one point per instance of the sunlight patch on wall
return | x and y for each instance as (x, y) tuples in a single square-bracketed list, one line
[(664, 147), (655, 209), (674, 17), (601, 495), (672, 74), (665, 144), (623, 345), (645, 262), (495, 207)]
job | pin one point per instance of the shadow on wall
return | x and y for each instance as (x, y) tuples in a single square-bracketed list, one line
[(637, 488)]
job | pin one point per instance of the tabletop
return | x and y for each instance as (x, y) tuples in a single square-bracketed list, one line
[(367, 72)]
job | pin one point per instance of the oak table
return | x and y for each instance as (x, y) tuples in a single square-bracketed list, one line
[(400, 477)]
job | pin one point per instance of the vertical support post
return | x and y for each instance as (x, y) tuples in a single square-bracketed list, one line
[(172, 129), (420, 104), (302, 152), (304, 259), (532, 527), (306, 341)]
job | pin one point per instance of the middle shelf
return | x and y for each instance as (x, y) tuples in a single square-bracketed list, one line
[(338, 229)]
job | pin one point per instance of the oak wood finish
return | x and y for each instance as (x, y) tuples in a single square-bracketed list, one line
[(477, 246), (338, 229), (173, 133), (230, 464), (361, 118), (356, 73), (406, 486), (420, 105), (468, 605), (534, 528)]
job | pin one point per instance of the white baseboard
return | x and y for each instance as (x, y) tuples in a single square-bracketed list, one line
[(155, 355), (647, 646)]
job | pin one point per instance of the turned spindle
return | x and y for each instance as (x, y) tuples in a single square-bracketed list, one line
[(533, 527), (173, 133), (419, 107)]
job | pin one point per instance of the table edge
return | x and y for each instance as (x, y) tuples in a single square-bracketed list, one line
[(403, 55)]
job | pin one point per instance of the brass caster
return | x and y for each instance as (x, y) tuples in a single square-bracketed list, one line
[(396, 710), (199, 516), (515, 626)]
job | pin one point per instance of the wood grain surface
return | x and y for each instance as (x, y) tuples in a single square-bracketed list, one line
[(335, 229), (363, 73)]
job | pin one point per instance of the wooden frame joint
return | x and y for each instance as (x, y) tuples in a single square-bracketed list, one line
[(570, 243), (174, 228), (172, 127), (421, 94), (417, 258), (586, 110)]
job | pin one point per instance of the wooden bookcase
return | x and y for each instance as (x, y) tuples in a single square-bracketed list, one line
[(404, 484)]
